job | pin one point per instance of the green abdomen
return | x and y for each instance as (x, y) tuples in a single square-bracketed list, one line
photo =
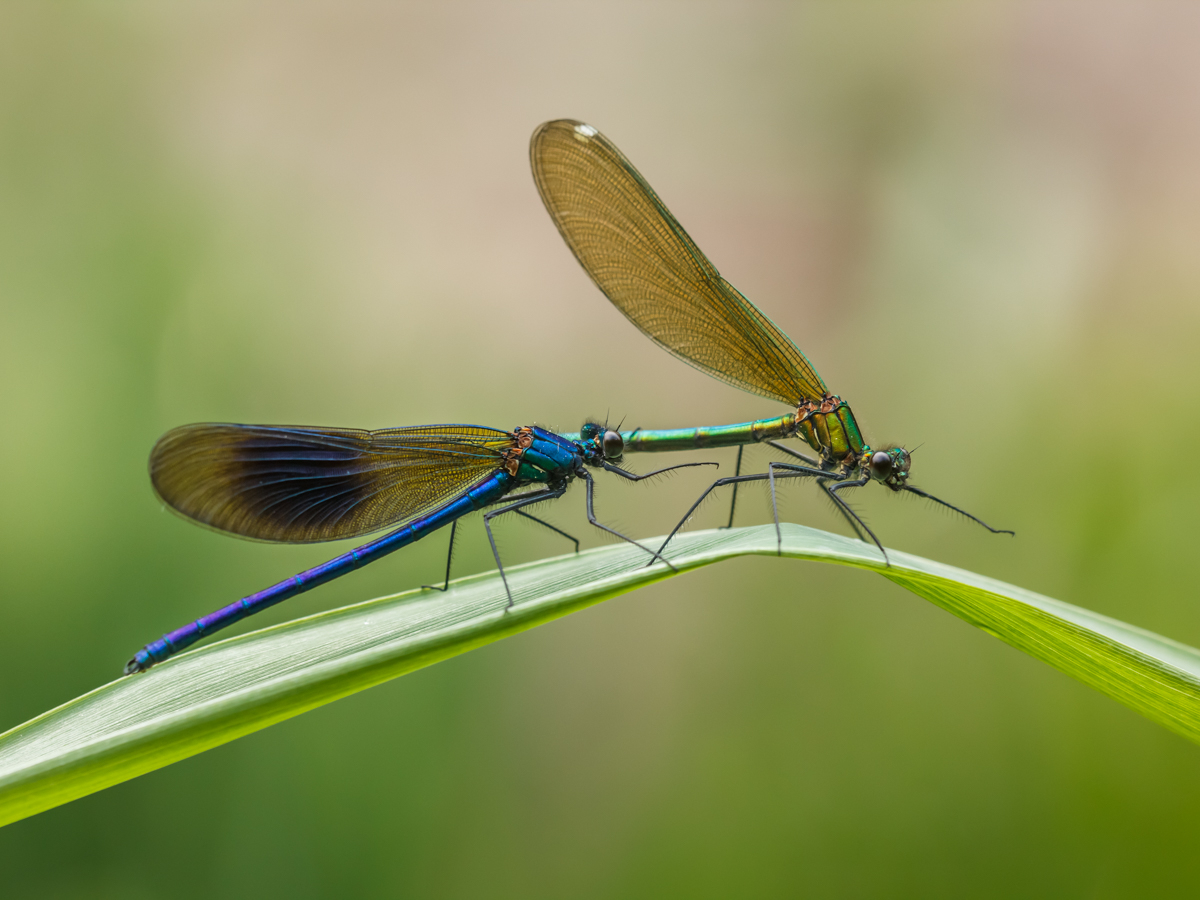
[(647, 441)]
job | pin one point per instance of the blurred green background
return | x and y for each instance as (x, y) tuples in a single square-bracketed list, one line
[(980, 221)]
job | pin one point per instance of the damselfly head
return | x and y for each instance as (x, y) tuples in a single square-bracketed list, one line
[(602, 440), (890, 466)]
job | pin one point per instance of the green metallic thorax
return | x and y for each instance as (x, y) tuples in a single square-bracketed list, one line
[(831, 430)]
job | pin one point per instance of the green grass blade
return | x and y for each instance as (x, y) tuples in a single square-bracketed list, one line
[(222, 691)]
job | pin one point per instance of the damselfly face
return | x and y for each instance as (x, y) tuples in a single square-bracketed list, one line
[(603, 442), (890, 467)]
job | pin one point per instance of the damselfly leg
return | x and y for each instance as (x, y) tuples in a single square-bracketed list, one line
[(591, 514), (574, 540), (520, 512), (851, 516), (961, 512), (449, 559), (737, 470), (527, 500), (769, 475)]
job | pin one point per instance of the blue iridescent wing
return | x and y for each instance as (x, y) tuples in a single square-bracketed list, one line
[(299, 485)]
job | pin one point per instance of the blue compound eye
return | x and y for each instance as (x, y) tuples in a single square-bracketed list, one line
[(881, 465), (613, 445), (589, 430)]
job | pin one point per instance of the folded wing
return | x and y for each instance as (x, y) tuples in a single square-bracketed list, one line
[(298, 485), (645, 263)]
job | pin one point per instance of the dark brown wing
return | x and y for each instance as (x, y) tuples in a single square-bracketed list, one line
[(645, 263), (297, 485)]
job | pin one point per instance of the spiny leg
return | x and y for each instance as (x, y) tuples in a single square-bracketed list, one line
[(783, 448), (791, 470), (850, 517), (527, 500), (737, 470), (721, 482), (919, 493), (843, 508), (808, 461), (617, 470), (449, 557), (591, 513), (573, 540), (630, 476), (537, 495), (850, 514), (858, 532)]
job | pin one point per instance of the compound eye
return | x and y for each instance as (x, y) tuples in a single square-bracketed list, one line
[(613, 445), (589, 431), (881, 465)]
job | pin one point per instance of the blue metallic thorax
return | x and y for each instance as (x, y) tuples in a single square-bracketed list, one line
[(549, 458)]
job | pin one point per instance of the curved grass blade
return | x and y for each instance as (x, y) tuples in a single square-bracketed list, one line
[(209, 696)]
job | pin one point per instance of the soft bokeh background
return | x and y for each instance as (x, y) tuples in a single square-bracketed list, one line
[(982, 223)]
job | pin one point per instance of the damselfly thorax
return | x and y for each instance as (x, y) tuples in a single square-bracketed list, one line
[(830, 428)]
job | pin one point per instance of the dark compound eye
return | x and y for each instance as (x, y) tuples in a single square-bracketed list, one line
[(613, 445), (881, 465), (589, 431)]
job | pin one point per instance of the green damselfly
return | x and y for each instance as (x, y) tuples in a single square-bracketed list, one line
[(639, 255)]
